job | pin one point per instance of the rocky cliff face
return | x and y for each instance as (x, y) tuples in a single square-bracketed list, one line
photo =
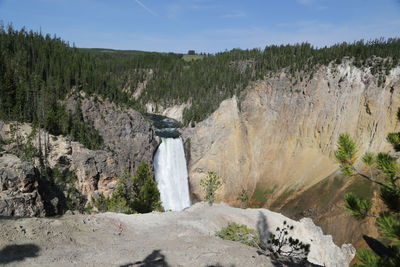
[(19, 194), (96, 171), (128, 140), (124, 130), (277, 141)]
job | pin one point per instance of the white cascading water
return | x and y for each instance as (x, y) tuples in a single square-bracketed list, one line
[(171, 174)]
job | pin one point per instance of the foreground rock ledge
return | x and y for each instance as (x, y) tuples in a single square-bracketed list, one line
[(183, 238)]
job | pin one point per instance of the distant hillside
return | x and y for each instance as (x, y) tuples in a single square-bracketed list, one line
[(114, 51), (37, 71)]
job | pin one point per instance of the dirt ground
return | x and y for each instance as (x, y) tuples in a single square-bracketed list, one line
[(158, 239)]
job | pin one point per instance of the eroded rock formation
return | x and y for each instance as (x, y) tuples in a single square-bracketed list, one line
[(277, 139), (19, 194), (281, 134)]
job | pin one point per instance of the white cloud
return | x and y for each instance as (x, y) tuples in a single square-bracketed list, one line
[(146, 8)]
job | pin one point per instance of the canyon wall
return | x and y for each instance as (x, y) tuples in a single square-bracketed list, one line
[(125, 131), (30, 157), (277, 139)]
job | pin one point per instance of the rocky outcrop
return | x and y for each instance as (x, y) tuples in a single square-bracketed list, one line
[(277, 139), (96, 171), (185, 238), (128, 140), (175, 112), (125, 131), (19, 194)]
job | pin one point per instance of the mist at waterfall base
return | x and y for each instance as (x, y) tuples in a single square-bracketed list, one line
[(171, 174)]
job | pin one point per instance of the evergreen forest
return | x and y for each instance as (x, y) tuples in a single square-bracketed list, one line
[(38, 71)]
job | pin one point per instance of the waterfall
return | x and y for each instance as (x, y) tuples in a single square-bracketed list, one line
[(171, 174)]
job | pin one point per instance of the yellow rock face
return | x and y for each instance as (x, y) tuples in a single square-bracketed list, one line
[(281, 135)]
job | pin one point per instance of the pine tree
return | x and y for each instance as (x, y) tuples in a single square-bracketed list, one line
[(134, 193), (388, 181), (147, 195), (210, 184), (8, 91)]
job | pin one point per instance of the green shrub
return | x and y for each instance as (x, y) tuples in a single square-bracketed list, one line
[(133, 193), (366, 258), (66, 183), (88, 209), (240, 233), (210, 184), (101, 203), (243, 197), (29, 151), (119, 204)]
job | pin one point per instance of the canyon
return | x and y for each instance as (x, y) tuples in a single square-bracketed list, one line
[(276, 141)]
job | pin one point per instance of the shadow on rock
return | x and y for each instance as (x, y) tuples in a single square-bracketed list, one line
[(155, 259), (262, 228), (13, 253)]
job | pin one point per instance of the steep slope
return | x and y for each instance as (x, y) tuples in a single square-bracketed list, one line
[(323, 203), (277, 140)]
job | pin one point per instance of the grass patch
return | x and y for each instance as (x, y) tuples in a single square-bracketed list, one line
[(261, 193), (324, 194), (361, 188)]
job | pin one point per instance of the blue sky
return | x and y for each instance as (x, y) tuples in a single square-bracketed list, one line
[(204, 25)]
